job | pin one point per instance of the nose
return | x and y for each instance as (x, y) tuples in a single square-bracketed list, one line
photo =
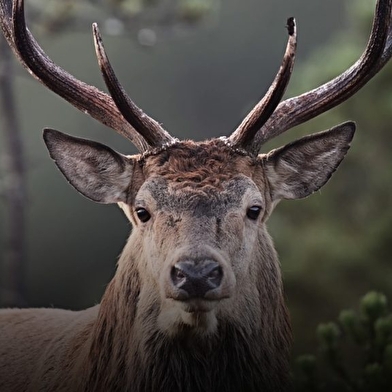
[(195, 278)]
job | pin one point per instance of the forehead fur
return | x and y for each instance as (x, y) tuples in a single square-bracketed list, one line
[(199, 164)]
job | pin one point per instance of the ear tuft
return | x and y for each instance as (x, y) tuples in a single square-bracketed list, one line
[(304, 166), (93, 169)]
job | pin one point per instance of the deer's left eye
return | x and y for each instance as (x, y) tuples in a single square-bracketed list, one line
[(143, 214), (253, 212)]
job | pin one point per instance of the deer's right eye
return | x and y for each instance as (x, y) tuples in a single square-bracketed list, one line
[(253, 212), (143, 214)]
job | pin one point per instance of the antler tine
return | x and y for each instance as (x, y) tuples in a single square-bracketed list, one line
[(86, 98), (152, 132), (243, 136), (297, 110)]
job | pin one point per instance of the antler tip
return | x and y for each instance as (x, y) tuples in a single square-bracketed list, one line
[(99, 50), (96, 33), (291, 25)]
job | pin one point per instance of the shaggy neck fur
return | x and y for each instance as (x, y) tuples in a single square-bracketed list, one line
[(128, 352)]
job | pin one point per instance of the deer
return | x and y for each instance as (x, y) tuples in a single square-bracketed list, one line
[(197, 301)]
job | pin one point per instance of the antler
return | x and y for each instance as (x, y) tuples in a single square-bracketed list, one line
[(245, 133), (297, 110), (86, 98), (262, 123), (146, 126)]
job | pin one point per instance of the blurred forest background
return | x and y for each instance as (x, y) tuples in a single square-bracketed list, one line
[(198, 66)]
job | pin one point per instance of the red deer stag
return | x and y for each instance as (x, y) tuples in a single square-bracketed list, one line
[(197, 301)]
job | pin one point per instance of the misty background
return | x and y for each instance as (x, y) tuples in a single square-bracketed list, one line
[(199, 78)]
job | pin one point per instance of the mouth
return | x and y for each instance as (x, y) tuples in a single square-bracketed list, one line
[(191, 304), (197, 305)]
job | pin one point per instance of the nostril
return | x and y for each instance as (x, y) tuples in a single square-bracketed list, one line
[(215, 277), (178, 276)]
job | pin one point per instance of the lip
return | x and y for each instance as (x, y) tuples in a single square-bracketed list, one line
[(198, 305), (211, 296)]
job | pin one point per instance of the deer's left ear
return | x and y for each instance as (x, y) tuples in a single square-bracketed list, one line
[(304, 166), (95, 170)]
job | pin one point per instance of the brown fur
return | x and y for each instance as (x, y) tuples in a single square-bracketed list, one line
[(139, 338)]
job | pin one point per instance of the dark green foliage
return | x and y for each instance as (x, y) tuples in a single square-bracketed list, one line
[(354, 354)]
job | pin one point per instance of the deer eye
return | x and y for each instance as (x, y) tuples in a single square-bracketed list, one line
[(143, 214), (253, 212)]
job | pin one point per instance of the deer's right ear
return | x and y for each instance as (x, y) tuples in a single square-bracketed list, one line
[(93, 169), (304, 166)]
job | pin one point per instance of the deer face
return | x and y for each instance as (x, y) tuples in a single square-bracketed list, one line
[(198, 215), (198, 212)]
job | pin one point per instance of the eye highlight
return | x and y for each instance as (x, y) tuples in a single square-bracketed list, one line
[(143, 214), (253, 212)]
